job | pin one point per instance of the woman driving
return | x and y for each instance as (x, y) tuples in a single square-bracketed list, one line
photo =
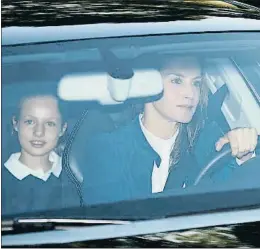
[(155, 152)]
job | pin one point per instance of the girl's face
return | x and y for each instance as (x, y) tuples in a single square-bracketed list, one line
[(39, 125), (182, 82)]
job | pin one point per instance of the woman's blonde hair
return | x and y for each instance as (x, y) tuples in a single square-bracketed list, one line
[(188, 133)]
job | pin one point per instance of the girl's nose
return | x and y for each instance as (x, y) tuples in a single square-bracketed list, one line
[(39, 130)]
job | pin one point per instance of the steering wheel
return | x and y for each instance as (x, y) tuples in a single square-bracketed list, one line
[(220, 161)]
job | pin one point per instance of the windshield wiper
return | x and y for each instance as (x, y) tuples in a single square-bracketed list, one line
[(39, 225)]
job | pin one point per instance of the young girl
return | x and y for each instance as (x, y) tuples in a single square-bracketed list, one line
[(34, 179)]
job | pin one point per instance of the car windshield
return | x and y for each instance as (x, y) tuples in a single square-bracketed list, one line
[(66, 156)]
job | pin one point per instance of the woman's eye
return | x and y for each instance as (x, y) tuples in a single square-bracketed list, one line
[(29, 122), (197, 83), (51, 123), (176, 80)]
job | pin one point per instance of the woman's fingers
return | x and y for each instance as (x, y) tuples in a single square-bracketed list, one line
[(242, 141)]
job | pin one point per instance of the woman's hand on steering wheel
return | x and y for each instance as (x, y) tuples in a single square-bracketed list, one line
[(222, 158), (242, 141)]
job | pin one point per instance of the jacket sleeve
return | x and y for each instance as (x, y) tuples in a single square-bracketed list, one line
[(205, 151)]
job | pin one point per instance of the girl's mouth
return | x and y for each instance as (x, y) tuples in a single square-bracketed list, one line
[(37, 143)]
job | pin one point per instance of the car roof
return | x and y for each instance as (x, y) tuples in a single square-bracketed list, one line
[(75, 12), (26, 22)]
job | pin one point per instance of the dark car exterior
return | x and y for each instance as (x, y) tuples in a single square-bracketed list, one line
[(41, 14)]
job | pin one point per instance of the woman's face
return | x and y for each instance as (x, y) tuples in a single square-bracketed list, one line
[(39, 125), (182, 82)]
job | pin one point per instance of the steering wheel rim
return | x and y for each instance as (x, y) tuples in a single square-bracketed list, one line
[(215, 162)]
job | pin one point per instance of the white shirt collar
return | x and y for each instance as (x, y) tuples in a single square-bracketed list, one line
[(159, 145), (20, 171)]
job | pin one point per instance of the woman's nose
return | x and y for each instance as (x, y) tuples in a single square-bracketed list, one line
[(187, 91), (39, 130)]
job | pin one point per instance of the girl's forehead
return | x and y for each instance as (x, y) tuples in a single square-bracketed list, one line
[(40, 106)]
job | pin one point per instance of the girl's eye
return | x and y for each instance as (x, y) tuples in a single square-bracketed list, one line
[(51, 123), (176, 80), (29, 122)]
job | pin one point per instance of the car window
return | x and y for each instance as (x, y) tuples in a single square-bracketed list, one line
[(143, 150)]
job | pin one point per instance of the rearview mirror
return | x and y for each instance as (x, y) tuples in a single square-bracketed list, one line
[(101, 87)]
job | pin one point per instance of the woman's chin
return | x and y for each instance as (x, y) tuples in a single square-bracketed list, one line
[(184, 120)]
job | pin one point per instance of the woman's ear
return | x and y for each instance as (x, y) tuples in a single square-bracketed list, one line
[(63, 129), (15, 123)]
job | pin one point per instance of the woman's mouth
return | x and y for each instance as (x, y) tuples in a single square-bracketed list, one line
[(37, 143), (187, 107)]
